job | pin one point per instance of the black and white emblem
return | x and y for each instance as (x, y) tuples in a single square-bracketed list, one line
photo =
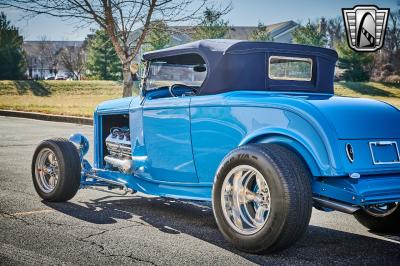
[(365, 27)]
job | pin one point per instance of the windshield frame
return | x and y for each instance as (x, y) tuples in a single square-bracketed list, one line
[(147, 63)]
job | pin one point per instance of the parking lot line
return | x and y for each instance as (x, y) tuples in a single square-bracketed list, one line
[(32, 212)]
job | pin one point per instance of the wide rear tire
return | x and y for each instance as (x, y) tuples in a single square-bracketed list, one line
[(288, 201), (56, 170)]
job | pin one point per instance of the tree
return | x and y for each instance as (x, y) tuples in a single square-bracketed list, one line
[(261, 33), (12, 59), (392, 38), (117, 18), (102, 60), (386, 61), (73, 59), (356, 65), (335, 31), (159, 36), (45, 55), (212, 25), (310, 34)]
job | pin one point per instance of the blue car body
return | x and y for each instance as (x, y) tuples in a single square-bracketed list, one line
[(178, 143)]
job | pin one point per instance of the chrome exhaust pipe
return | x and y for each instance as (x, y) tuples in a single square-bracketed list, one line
[(124, 165), (337, 206)]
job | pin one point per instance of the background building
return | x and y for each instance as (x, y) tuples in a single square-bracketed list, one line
[(42, 57)]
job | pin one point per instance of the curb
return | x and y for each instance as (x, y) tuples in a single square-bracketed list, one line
[(47, 117)]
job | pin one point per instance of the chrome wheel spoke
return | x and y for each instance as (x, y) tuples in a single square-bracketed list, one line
[(261, 184), (51, 181), (51, 158), (259, 217), (251, 196), (236, 186)]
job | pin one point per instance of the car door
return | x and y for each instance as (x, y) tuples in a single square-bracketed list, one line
[(167, 137)]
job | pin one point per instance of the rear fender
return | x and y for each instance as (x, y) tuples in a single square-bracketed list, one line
[(314, 154)]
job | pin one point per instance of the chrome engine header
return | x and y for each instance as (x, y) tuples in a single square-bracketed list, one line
[(118, 145)]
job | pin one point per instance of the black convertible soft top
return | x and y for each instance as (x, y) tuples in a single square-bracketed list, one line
[(243, 65)]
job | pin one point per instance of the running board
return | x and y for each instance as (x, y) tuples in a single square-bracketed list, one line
[(335, 205)]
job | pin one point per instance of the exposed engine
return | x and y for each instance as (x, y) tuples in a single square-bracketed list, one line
[(118, 145)]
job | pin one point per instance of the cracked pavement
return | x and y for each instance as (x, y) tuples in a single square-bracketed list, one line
[(97, 228)]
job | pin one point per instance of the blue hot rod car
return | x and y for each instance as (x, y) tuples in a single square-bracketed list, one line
[(253, 127)]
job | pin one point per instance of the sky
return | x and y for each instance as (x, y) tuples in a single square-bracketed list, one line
[(244, 13)]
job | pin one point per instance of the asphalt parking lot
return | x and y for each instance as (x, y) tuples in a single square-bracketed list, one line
[(105, 228)]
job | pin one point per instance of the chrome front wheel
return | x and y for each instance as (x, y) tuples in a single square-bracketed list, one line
[(47, 170), (246, 199)]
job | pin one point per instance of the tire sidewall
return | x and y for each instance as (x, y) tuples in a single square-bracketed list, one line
[(269, 233)]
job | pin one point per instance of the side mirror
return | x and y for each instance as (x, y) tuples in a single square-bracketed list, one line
[(143, 78)]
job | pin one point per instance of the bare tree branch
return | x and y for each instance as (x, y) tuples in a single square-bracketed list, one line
[(127, 22), (73, 59)]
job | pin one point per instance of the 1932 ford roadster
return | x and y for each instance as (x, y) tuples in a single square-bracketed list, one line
[(253, 127)]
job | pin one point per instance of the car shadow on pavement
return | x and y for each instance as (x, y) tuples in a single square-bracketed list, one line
[(96, 212), (319, 246)]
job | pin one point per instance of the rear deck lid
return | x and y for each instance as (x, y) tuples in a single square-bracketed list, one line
[(356, 118)]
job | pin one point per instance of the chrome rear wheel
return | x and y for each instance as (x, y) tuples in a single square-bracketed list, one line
[(381, 210), (383, 218), (246, 199)]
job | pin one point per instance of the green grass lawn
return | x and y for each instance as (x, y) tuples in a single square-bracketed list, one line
[(79, 98), (387, 92)]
